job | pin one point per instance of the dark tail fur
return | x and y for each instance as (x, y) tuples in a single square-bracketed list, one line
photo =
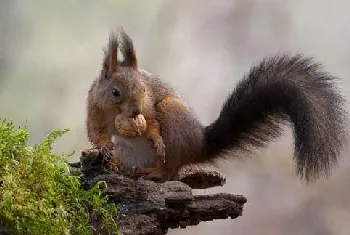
[(279, 89)]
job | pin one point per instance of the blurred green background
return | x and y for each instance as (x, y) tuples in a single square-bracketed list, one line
[(50, 51)]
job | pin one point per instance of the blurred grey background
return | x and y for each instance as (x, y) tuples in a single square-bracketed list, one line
[(50, 51)]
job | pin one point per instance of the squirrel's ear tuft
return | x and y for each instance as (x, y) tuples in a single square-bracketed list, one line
[(111, 54), (127, 49)]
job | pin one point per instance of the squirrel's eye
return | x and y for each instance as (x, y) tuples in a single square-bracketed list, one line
[(107, 76), (115, 92)]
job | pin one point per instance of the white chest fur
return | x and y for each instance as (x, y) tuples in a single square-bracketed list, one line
[(137, 151)]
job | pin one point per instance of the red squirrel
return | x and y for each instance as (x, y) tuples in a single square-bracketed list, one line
[(144, 120)]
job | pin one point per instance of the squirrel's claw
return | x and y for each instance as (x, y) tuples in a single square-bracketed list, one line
[(106, 151), (160, 146)]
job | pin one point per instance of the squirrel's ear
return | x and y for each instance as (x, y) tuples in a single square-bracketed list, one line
[(112, 54), (127, 49)]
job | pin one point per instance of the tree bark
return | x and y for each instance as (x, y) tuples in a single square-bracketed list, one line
[(147, 207)]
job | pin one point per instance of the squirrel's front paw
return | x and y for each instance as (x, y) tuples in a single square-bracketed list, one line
[(160, 147), (106, 150)]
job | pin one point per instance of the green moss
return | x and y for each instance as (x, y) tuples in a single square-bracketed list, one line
[(37, 193)]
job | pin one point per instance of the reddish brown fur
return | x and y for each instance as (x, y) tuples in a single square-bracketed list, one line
[(182, 135), (171, 126), (97, 126), (250, 117), (134, 98)]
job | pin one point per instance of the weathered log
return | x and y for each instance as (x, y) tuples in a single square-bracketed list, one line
[(148, 207)]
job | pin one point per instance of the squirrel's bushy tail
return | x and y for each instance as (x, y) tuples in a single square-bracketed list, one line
[(283, 88)]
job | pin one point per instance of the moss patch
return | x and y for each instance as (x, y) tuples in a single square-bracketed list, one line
[(39, 196)]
